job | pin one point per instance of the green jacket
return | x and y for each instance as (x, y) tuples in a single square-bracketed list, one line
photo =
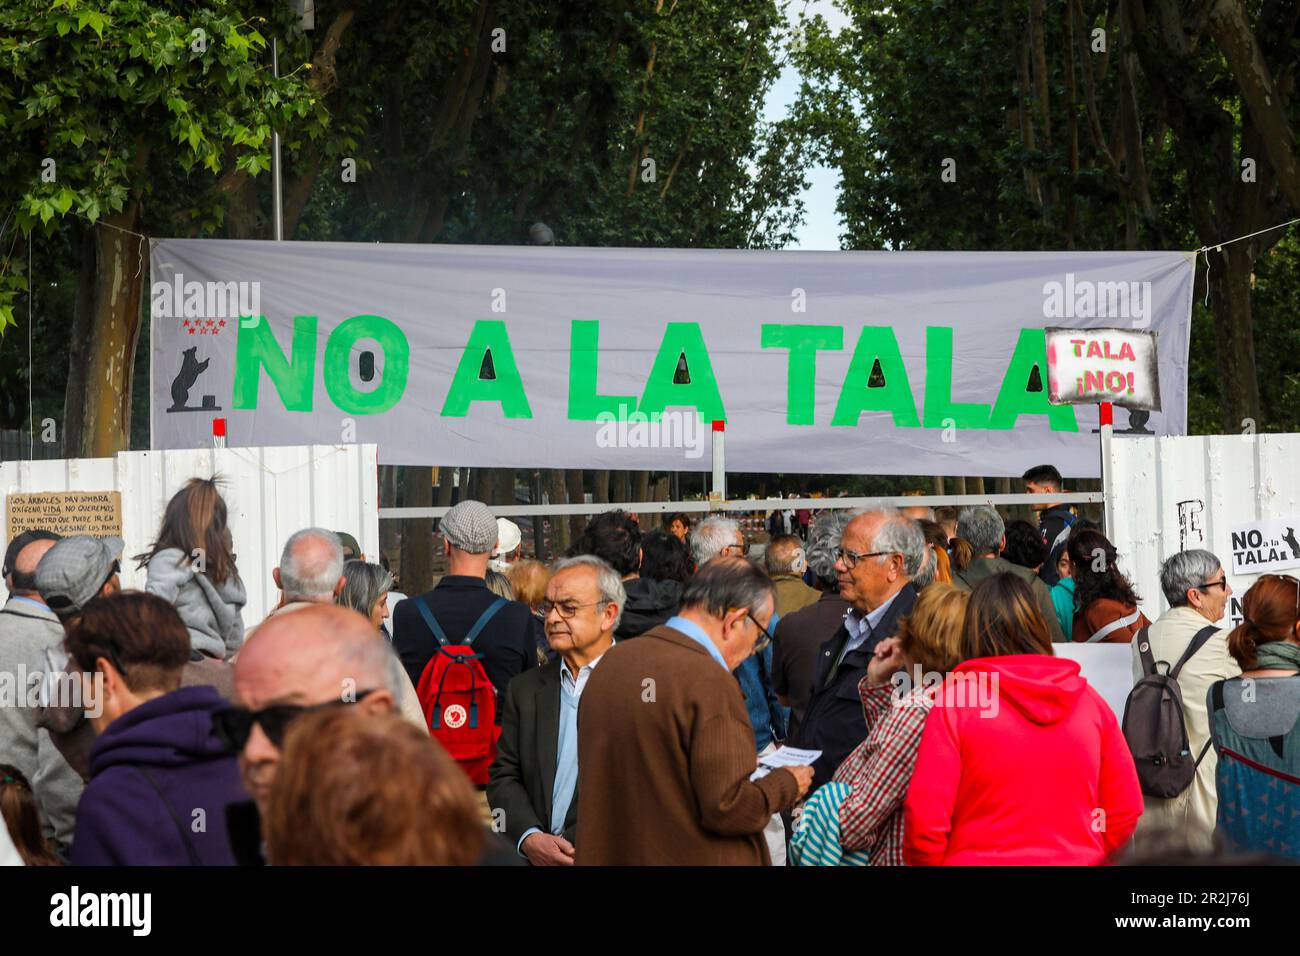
[(981, 568)]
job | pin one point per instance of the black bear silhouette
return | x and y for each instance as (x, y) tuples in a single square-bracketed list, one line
[(191, 369), (1289, 538)]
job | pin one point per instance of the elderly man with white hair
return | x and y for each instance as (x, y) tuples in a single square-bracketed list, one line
[(311, 574), (310, 571), (719, 537), (880, 553), (1196, 586), (534, 780), (715, 537)]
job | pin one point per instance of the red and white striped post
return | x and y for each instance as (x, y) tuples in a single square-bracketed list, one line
[(718, 489), (1107, 422)]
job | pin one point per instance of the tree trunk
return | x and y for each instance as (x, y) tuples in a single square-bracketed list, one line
[(106, 327), (577, 495), (600, 491), (503, 486), (389, 531), (1230, 301), (558, 492), (938, 484), (1002, 486), (447, 486), (640, 485), (417, 533)]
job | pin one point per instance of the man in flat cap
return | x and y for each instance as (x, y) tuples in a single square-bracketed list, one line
[(51, 580), (505, 640)]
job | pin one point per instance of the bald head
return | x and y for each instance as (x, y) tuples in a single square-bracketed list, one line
[(307, 658), (785, 555), (23, 578), (311, 567)]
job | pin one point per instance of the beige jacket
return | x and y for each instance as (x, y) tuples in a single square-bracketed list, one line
[(1193, 811)]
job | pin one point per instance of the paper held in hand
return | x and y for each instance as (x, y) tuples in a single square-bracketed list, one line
[(784, 757)]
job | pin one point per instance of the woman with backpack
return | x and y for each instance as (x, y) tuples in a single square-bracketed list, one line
[(1106, 606), (191, 564), (1021, 761), (1186, 646), (1255, 724)]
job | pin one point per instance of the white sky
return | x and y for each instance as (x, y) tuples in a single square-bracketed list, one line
[(822, 225)]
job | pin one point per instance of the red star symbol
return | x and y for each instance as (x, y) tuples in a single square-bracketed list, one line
[(203, 331), (210, 323), (222, 323), (191, 331), (186, 323)]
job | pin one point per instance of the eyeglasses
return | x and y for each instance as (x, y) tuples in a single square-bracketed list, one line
[(1213, 584), (743, 547), (566, 608), (851, 558), (234, 725), (763, 642)]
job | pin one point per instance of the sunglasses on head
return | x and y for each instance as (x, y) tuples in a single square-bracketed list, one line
[(1291, 580), (234, 725)]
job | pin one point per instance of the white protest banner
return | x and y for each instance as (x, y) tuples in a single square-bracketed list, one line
[(1087, 367), (1260, 546), (498, 356)]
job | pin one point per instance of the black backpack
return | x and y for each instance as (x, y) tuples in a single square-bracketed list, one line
[(1154, 725)]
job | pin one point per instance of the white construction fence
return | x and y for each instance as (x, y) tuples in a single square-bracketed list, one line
[(1177, 494), (270, 493)]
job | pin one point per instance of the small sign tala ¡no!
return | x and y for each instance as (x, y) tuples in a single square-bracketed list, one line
[(1091, 366), (97, 513)]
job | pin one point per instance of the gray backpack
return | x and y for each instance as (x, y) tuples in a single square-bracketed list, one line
[(1153, 722)]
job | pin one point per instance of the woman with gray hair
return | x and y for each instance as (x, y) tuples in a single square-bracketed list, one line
[(1196, 586), (366, 590)]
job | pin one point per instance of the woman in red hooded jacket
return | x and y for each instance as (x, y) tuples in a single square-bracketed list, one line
[(1021, 762)]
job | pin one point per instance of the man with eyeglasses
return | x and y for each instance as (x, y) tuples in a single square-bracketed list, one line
[(534, 780), (719, 537), (320, 656), (664, 738), (1196, 586), (880, 553)]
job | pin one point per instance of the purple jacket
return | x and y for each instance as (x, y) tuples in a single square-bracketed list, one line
[(159, 785)]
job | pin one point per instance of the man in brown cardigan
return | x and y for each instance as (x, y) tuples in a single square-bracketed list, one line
[(665, 742)]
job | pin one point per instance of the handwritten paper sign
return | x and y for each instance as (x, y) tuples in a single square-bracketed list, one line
[(1260, 546), (1091, 366), (97, 513)]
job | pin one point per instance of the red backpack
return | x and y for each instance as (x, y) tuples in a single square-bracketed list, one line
[(458, 700)]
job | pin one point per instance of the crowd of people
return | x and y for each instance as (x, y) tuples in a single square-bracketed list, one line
[(627, 704)]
